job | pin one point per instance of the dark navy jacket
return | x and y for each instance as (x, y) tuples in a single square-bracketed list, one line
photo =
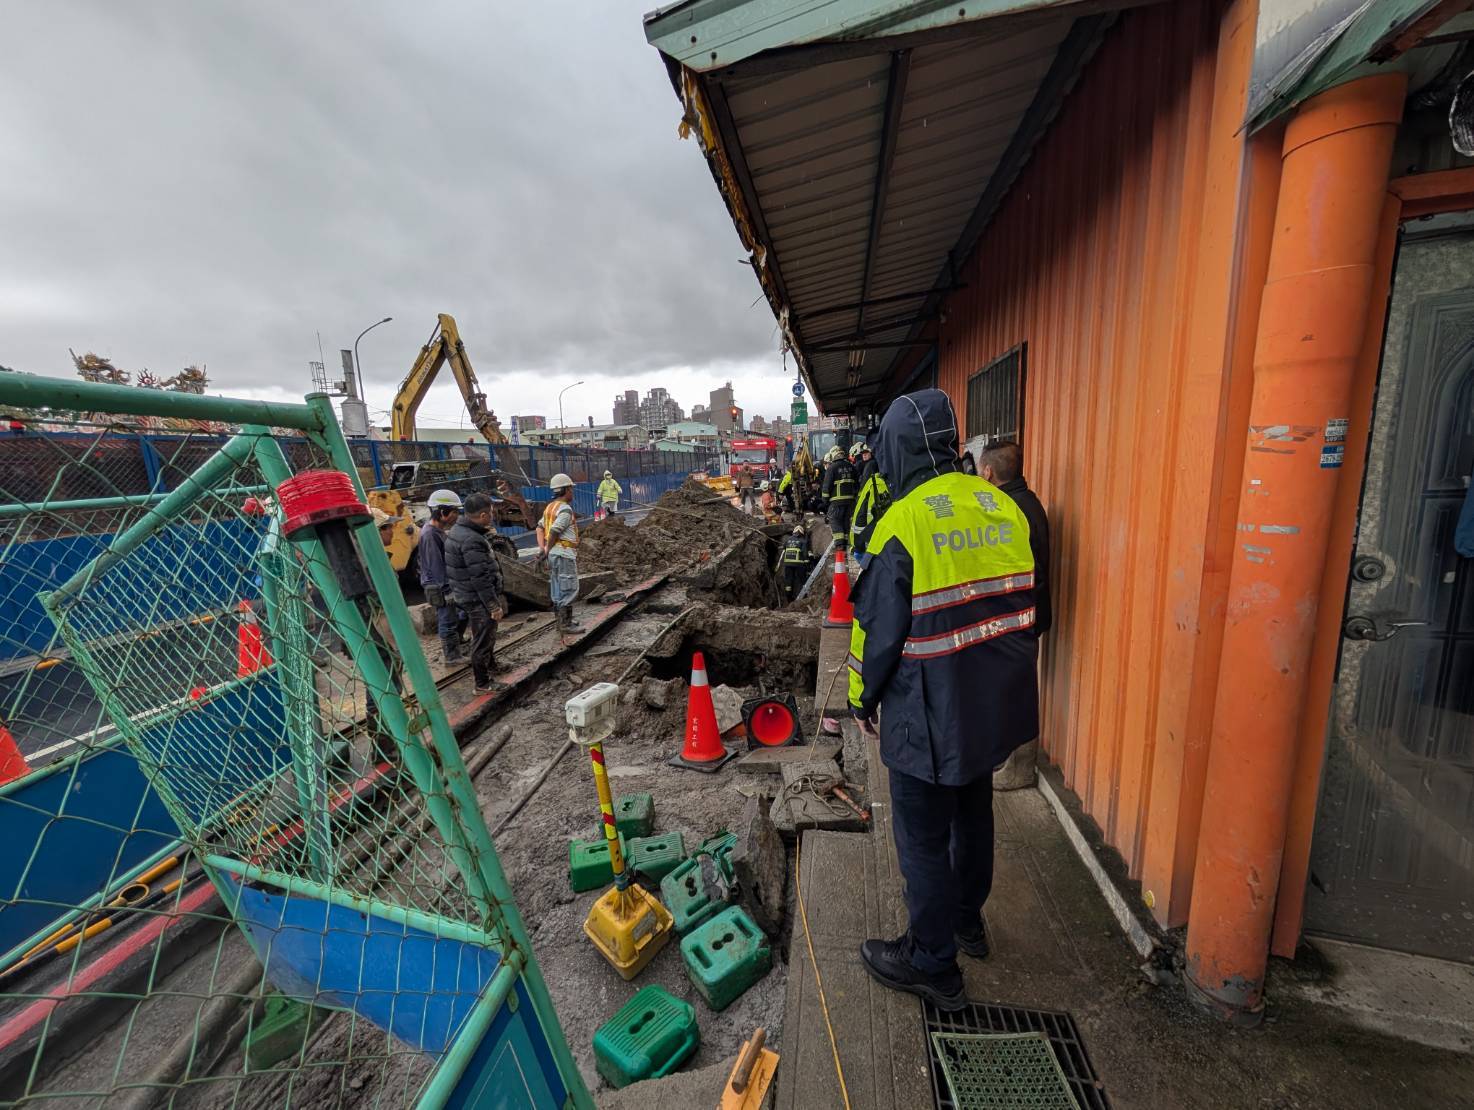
[(954, 677)]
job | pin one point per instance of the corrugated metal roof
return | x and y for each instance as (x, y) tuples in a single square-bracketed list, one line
[(855, 175)]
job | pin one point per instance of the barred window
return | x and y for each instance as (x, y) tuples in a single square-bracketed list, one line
[(995, 398)]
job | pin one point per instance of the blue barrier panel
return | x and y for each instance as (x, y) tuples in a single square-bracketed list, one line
[(72, 830), (85, 824), (30, 569)]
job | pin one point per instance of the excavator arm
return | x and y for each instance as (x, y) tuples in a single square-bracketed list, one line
[(444, 346), (460, 365)]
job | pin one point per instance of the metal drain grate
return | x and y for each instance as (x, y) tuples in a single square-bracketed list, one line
[(1059, 1028), (1002, 1071)]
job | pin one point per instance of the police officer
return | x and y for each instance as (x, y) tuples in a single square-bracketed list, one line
[(793, 562), (943, 648), (840, 487)]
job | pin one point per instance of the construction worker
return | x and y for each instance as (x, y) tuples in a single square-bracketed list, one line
[(557, 540), (450, 621), (609, 493), (838, 492), (475, 580), (943, 650), (865, 462), (745, 482), (870, 506), (793, 562), (785, 489)]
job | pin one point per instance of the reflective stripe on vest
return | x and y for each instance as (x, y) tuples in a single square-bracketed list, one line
[(793, 554), (568, 541), (983, 587), (844, 489), (947, 642), (972, 570)]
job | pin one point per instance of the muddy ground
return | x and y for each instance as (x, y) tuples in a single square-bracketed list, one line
[(534, 848), (720, 599)]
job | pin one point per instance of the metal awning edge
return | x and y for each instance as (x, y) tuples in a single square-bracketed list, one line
[(711, 34)]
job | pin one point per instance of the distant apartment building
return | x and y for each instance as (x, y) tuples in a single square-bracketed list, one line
[(658, 410), (627, 407), (759, 425), (606, 437), (724, 411), (696, 432), (700, 413)]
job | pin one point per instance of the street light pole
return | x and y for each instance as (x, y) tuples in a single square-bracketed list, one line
[(358, 366), (563, 428)]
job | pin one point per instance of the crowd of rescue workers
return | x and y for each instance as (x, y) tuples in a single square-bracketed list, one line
[(951, 599)]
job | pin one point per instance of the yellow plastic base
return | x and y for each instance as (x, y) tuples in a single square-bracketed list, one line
[(628, 926)]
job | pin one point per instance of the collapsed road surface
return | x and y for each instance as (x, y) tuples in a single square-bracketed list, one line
[(709, 587)]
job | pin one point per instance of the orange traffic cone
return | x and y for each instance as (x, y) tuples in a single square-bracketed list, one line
[(841, 612), (250, 652), (703, 750), (13, 765)]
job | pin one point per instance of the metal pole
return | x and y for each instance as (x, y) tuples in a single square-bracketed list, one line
[(31, 392), (358, 366), (462, 793), (562, 427)]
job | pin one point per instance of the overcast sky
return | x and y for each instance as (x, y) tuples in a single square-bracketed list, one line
[(217, 183)]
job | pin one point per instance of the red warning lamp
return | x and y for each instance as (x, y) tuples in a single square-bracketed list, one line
[(772, 722)]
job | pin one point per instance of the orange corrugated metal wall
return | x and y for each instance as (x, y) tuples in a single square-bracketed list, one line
[(1094, 260)]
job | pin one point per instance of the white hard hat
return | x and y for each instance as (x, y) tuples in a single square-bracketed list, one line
[(609, 474), (383, 519), (560, 481), (856, 449), (763, 486), (444, 499)]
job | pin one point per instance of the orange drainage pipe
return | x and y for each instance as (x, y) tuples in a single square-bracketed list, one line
[(1312, 321)]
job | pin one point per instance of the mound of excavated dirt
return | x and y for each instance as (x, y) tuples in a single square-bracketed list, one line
[(614, 545), (685, 527)]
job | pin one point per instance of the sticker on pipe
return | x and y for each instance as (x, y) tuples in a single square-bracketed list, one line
[(1335, 431), (1331, 456)]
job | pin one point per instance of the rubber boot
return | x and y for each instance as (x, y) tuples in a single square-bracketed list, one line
[(569, 624), (450, 650)]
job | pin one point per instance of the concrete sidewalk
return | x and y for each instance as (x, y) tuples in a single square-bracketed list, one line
[(1057, 947)]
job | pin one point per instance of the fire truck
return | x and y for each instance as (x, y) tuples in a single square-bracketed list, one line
[(760, 452)]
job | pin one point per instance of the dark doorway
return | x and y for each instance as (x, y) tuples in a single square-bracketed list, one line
[(1392, 863)]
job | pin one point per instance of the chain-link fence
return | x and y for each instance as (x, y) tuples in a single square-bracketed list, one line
[(214, 711)]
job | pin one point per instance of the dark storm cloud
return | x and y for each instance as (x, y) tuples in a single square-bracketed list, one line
[(211, 182)]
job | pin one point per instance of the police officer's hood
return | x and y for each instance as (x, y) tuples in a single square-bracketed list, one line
[(917, 440)]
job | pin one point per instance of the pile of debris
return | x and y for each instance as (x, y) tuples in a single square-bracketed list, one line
[(684, 528)]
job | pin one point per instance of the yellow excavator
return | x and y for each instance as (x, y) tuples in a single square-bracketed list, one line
[(464, 475), (444, 346)]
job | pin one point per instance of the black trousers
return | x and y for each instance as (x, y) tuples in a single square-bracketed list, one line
[(944, 838), (838, 515), (483, 642), (794, 577)]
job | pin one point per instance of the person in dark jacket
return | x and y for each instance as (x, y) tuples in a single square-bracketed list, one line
[(841, 484), (445, 510), (943, 648), (1003, 466), (475, 580)]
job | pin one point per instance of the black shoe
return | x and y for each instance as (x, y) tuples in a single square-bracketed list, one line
[(973, 942), (889, 963)]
